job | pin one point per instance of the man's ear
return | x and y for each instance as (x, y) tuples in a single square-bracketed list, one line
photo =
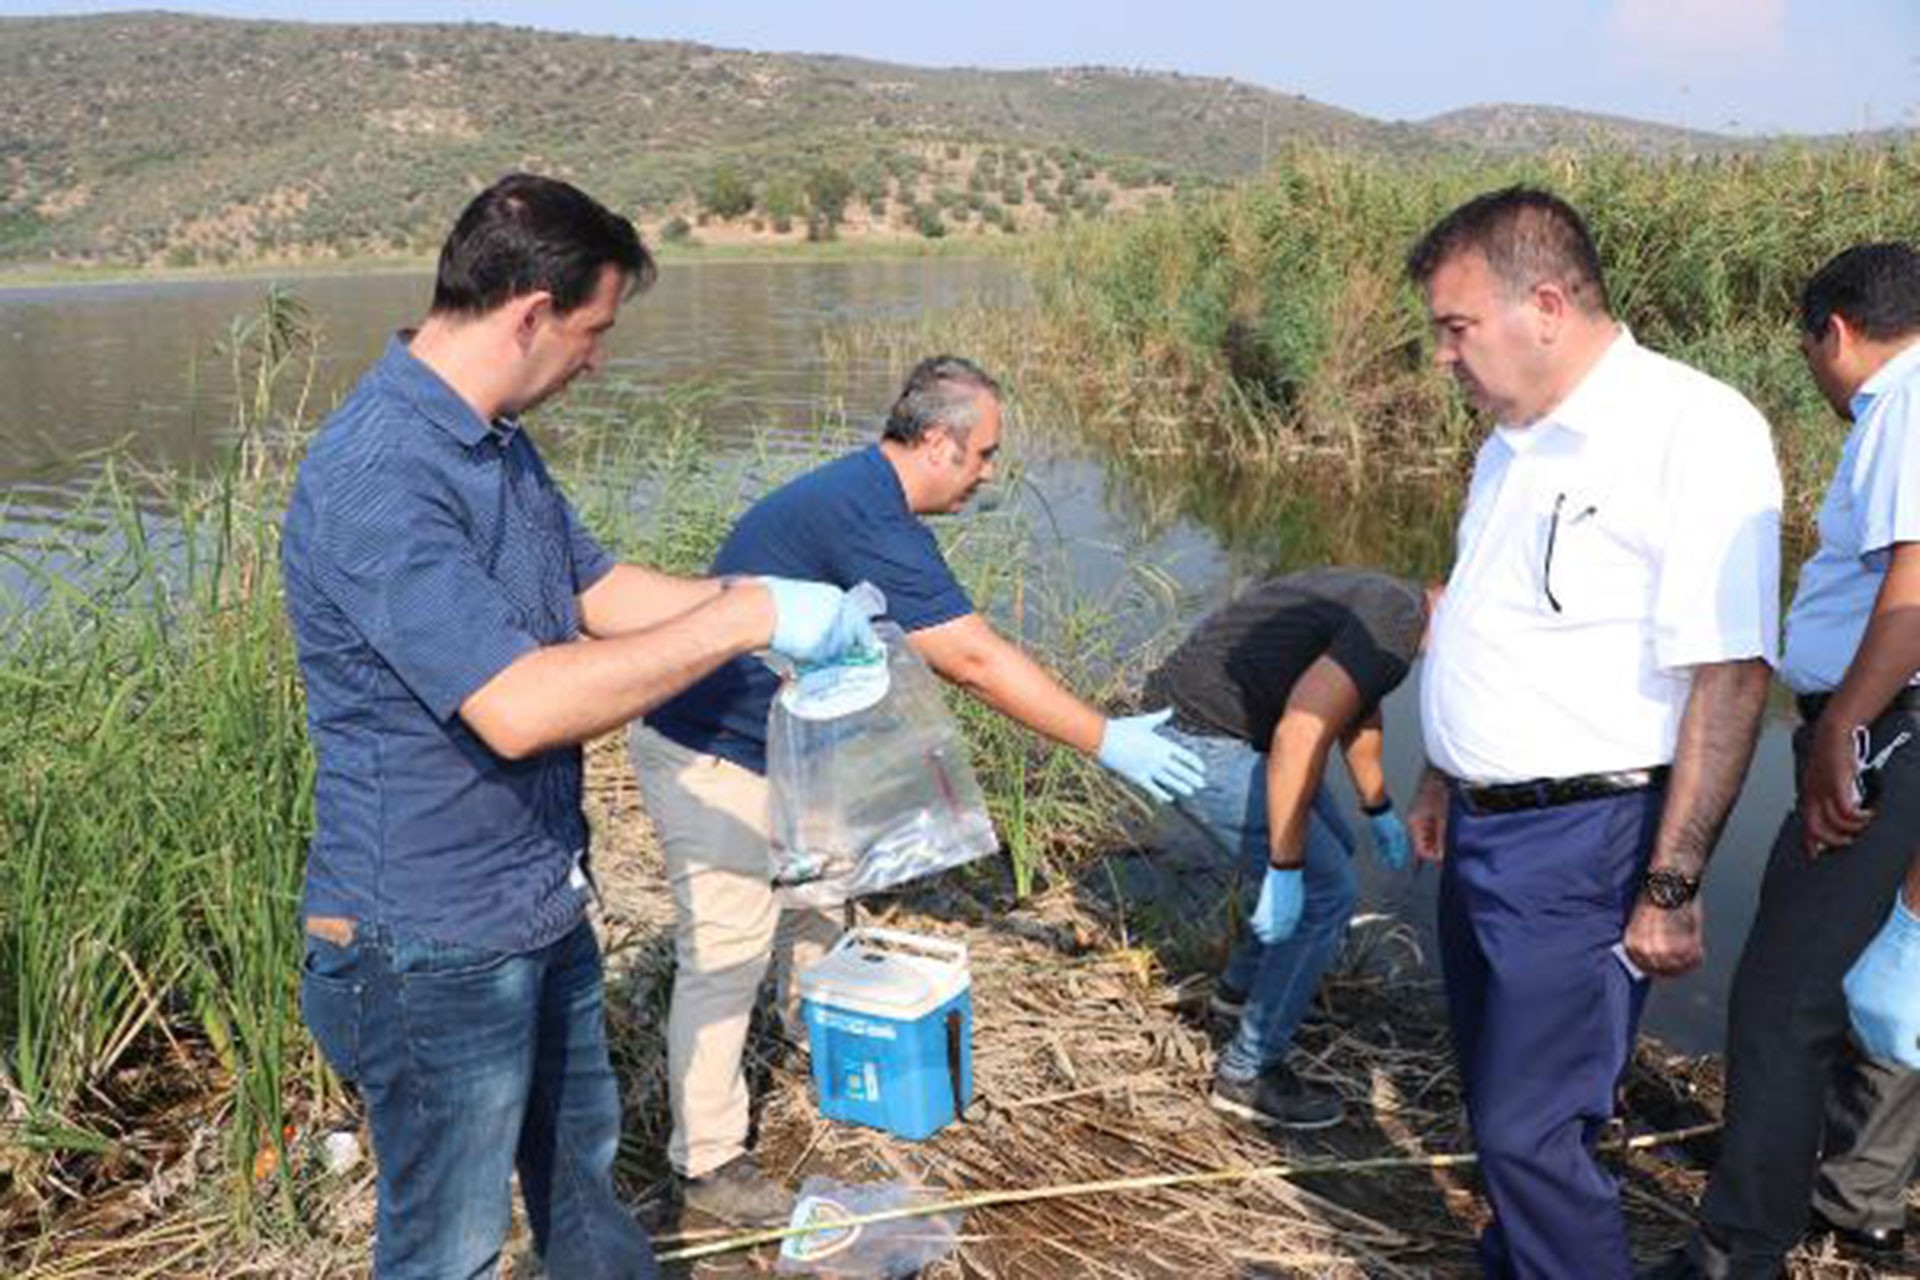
[(1839, 337), (527, 313), (939, 443), (1551, 307)]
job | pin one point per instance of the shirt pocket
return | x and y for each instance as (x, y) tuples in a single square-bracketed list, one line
[(1592, 567)]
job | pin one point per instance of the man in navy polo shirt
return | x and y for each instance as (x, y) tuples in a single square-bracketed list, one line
[(701, 758), (440, 588)]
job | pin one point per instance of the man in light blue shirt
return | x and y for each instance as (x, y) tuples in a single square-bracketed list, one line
[(1797, 1089)]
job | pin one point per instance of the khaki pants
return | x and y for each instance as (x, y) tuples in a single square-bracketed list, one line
[(711, 816)]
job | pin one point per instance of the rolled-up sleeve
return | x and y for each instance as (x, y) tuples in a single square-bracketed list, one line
[(1718, 593), (397, 560)]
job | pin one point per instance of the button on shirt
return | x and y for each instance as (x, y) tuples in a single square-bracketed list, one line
[(1626, 537), (426, 549), (1872, 503)]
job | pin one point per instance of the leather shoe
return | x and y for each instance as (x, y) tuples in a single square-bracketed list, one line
[(1868, 1242)]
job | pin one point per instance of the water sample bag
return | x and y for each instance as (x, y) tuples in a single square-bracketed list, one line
[(869, 778), (872, 1251)]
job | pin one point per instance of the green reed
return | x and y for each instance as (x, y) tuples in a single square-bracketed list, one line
[(158, 801), (1270, 328)]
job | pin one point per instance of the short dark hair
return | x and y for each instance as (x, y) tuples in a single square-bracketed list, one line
[(527, 233), (1875, 287), (1528, 237), (941, 391)]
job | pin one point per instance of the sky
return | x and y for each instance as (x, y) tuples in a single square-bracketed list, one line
[(1732, 66)]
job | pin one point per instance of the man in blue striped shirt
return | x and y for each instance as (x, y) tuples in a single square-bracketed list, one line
[(460, 634)]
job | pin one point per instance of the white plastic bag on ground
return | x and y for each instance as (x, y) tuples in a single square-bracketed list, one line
[(898, 1248), (869, 777)]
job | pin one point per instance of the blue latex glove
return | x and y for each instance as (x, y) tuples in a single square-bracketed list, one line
[(1277, 914), (815, 622), (1158, 766), (1391, 843), (1883, 990)]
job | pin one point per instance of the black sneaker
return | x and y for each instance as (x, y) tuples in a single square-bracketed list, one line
[(1279, 1098), (1862, 1244), (737, 1192)]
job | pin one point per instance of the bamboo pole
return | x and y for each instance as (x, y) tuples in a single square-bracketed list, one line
[(1151, 1182)]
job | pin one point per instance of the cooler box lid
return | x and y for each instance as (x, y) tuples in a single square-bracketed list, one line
[(888, 973)]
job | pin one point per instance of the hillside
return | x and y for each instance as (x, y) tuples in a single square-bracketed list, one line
[(1512, 128), (152, 138), (163, 139)]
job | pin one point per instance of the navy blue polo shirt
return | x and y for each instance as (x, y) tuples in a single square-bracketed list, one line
[(846, 522), (426, 549)]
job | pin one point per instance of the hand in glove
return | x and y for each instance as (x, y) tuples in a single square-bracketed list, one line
[(816, 622), (1883, 990), (1158, 766), (1391, 843), (1277, 914)]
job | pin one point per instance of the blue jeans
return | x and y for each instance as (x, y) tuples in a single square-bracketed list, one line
[(1279, 980), (473, 1062)]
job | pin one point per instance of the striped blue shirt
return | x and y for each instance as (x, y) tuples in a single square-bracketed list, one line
[(425, 550)]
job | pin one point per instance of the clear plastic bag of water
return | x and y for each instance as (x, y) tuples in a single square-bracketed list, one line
[(869, 778), (897, 1248)]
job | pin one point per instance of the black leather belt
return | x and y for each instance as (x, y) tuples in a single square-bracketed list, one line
[(1545, 793), (1812, 704)]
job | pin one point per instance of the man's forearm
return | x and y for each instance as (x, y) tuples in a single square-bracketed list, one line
[(568, 693), (1717, 735), (971, 654), (1365, 750), (1913, 884), (632, 598), (1296, 761)]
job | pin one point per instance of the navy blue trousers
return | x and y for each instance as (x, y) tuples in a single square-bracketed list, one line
[(1543, 1019)]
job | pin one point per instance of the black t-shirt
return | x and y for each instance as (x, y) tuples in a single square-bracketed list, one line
[(1233, 675)]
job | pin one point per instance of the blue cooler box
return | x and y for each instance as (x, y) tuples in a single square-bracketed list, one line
[(890, 1026)]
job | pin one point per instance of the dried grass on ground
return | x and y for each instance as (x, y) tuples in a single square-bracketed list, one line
[(1092, 1053)]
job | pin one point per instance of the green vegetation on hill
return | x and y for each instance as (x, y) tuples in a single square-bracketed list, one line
[(162, 139), (157, 139)]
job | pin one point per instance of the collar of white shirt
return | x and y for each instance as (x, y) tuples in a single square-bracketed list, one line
[(1602, 396)]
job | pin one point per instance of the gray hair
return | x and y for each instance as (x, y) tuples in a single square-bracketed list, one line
[(942, 391)]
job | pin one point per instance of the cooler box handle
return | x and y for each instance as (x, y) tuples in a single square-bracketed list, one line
[(943, 950)]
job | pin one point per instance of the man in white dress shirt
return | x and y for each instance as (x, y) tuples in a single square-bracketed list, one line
[(1592, 693), (1796, 1089)]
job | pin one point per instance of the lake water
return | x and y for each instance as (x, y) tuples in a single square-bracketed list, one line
[(86, 368)]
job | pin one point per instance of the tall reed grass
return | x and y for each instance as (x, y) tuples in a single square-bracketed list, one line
[(156, 807), (1271, 326)]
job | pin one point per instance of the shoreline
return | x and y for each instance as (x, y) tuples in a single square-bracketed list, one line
[(860, 249)]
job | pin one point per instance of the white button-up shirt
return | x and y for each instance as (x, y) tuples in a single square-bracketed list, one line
[(1624, 538), (1872, 503)]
